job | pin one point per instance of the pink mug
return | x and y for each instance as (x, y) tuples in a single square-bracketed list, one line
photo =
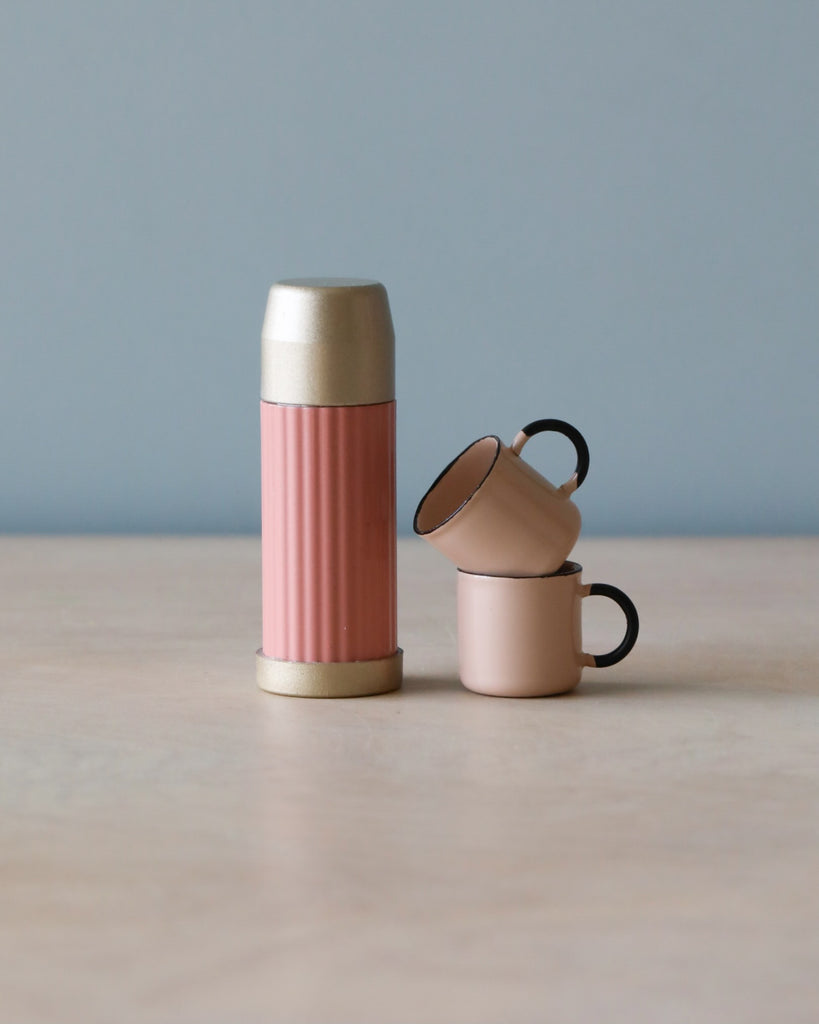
[(490, 512), (522, 637)]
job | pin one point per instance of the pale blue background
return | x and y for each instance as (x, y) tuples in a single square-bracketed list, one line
[(600, 211)]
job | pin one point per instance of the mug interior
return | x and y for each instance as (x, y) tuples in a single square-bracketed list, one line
[(456, 484)]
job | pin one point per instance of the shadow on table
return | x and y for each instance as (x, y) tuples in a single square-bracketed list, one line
[(432, 684), (642, 688), (588, 688)]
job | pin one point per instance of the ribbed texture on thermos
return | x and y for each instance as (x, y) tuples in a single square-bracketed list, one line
[(328, 514)]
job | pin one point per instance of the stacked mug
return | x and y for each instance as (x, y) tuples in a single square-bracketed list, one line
[(509, 532)]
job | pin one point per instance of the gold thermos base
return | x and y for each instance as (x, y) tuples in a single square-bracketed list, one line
[(329, 678)]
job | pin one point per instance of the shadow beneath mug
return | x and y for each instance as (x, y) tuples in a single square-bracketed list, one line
[(432, 684), (601, 688), (590, 689), (442, 683)]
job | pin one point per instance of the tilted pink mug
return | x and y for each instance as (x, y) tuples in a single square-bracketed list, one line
[(490, 512)]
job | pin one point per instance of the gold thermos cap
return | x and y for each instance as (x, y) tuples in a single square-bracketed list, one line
[(328, 341)]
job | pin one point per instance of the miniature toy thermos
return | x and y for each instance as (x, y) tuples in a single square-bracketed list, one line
[(328, 491)]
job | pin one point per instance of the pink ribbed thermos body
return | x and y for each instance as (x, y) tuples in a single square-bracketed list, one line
[(328, 491)]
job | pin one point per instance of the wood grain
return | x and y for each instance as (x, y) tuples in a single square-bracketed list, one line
[(180, 847)]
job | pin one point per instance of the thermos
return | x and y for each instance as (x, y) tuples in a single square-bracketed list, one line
[(328, 491)]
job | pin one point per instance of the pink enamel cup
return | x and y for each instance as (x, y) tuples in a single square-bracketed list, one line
[(522, 636), (489, 511)]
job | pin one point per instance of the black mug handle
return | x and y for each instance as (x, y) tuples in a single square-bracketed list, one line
[(567, 430), (632, 624)]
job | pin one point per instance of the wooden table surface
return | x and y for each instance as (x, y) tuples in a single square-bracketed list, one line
[(180, 847)]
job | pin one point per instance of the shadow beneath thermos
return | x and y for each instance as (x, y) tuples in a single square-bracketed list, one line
[(435, 683)]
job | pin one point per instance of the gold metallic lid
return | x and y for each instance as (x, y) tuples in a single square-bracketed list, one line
[(328, 341)]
